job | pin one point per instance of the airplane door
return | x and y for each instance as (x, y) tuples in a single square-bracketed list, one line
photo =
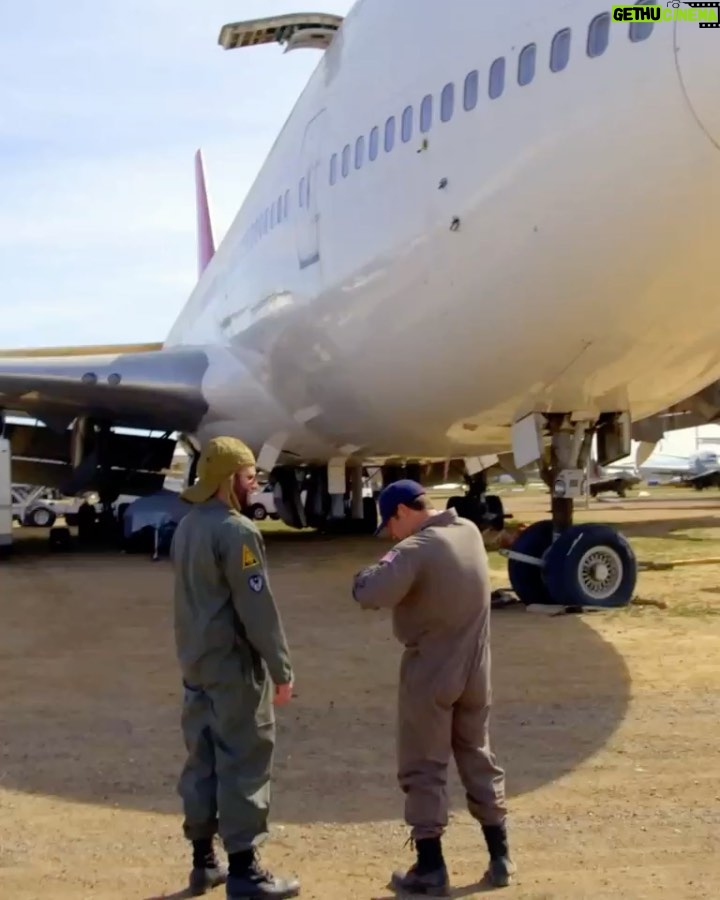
[(308, 219)]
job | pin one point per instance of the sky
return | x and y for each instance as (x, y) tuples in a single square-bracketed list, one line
[(102, 107)]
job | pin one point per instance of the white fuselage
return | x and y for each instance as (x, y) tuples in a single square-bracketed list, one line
[(552, 248)]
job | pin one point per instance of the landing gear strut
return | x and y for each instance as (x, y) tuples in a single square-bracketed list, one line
[(557, 562)]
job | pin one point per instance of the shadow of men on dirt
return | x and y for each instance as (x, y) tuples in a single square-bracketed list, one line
[(92, 700)]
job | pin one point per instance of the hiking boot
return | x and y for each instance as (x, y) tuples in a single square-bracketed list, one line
[(501, 868), (207, 873), (248, 881), (429, 876), (206, 878)]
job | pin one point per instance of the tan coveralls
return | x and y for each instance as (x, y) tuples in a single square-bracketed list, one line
[(437, 584)]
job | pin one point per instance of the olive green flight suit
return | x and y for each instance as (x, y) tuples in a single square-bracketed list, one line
[(437, 584), (231, 648)]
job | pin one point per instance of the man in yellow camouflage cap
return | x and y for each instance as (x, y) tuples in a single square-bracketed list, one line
[(232, 650)]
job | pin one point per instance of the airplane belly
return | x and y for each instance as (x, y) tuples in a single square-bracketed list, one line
[(550, 250), (575, 272)]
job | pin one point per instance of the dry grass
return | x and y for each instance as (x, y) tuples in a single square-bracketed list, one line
[(606, 724)]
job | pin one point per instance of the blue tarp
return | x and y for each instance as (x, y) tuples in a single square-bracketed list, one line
[(162, 508)]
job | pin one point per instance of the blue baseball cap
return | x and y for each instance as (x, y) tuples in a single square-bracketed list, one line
[(393, 495)]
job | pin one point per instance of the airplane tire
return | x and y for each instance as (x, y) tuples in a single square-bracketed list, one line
[(495, 509), (468, 508), (371, 519), (590, 565), (527, 580)]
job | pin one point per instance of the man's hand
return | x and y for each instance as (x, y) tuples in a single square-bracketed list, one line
[(283, 694)]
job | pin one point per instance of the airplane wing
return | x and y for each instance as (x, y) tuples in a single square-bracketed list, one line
[(97, 390), (127, 385), (133, 386)]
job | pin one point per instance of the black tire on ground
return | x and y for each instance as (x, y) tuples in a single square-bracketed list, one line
[(258, 512), (527, 580), (495, 510), (467, 508), (591, 565), (371, 520)]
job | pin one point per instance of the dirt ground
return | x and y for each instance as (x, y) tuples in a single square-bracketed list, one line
[(607, 725)]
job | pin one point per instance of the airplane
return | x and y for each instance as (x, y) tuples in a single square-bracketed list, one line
[(485, 232), (688, 468)]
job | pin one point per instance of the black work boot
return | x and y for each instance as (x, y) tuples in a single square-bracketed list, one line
[(207, 873), (501, 868), (429, 876), (247, 881)]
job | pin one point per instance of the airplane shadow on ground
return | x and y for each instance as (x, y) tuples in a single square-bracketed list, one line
[(91, 704), (669, 528)]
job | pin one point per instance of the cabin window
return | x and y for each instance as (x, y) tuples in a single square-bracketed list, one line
[(407, 124), (359, 152), (598, 35), (560, 50), (470, 96), (447, 102), (286, 204), (526, 64), (301, 192), (426, 110), (390, 134), (307, 195), (272, 216), (346, 161), (641, 31), (265, 222), (279, 209), (497, 78), (333, 168), (374, 144)]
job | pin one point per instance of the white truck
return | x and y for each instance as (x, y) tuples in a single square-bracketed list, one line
[(39, 507)]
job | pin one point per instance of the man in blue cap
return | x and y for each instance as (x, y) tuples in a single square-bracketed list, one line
[(436, 581)]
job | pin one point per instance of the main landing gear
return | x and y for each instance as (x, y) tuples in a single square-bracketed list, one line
[(556, 562), (485, 510)]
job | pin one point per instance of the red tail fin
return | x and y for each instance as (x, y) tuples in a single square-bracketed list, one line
[(206, 244)]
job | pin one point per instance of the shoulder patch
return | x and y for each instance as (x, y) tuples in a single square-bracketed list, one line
[(256, 583), (248, 558), (390, 556)]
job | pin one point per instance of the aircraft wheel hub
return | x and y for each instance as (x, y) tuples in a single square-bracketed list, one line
[(601, 571)]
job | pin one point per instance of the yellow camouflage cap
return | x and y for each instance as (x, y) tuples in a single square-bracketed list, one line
[(220, 460)]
